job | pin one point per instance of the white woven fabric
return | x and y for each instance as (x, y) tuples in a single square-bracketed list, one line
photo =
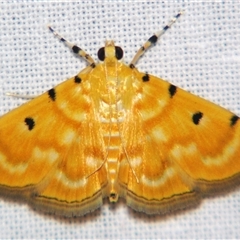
[(201, 53)]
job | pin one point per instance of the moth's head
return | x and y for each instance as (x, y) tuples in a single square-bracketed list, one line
[(110, 52)]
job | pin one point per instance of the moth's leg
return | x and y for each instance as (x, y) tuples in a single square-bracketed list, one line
[(20, 95)]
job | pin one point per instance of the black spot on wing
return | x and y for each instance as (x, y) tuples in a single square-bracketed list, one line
[(145, 78), (196, 117), (172, 90), (52, 94), (30, 123), (77, 79), (233, 120)]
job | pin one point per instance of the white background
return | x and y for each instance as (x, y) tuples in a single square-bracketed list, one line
[(200, 53)]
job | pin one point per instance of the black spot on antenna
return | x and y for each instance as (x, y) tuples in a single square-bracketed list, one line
[(30, 123), (132, 66), (178, 15), (172, 90), (93, 65), (197, 117), (52, 94), (77, 79), (76, 49), (166, 28), (153, 39), (50, 28), (234, 120), (145, 78)]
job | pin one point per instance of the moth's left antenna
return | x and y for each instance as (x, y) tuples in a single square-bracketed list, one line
[(74, 47)]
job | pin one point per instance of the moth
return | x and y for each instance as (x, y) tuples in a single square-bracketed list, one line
[(112, 131)]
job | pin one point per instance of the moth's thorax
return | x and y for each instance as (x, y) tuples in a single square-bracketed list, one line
[(109, 82)]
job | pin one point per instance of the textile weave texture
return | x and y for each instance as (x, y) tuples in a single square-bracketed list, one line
[(200, 53)]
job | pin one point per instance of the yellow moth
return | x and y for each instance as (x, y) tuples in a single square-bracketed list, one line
[(112, 131)]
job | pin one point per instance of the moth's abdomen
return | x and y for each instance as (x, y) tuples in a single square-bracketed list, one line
[(111, 117)]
